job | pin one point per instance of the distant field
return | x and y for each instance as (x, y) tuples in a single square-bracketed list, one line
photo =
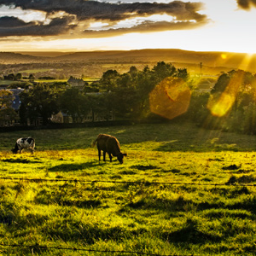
[(34, 71), (181, 191), (90, 79), (50, 80), (6, 82)]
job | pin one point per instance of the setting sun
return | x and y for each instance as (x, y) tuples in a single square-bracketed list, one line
[(148, 25), (223, 56)]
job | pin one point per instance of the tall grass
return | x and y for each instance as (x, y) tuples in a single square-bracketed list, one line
[(181, 190)]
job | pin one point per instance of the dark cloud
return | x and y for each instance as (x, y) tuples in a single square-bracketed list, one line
[(10, 26), (106, 11), (246, 4), (186, 13)]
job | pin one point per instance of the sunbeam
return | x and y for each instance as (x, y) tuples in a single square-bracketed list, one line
[(219, 105)]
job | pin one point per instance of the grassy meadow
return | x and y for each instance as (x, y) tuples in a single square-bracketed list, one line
[(181, 191)]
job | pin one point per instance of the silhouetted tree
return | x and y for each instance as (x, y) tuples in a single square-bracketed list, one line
[(7, 113), (40, 101), (18, 76), (31, 78), (182, 73), (108, 80), (163, 70), (74, 103)]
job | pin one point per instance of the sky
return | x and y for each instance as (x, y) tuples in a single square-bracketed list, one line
[(90, 25)]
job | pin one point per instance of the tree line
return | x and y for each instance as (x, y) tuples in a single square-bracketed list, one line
[(125, 95), (230, 105)]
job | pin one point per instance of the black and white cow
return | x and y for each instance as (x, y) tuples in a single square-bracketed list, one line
[(24, 143)]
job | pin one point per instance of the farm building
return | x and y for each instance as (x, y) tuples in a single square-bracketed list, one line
[(62, 117), (76, 82)]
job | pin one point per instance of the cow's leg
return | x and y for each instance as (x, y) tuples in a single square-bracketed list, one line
[(110, 157), (99, 154), (104, 156)]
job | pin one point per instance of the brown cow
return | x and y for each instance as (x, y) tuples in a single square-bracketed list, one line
[(109, 144)]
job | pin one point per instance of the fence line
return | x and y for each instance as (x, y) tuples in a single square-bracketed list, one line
[(147, 183), (37, 247)]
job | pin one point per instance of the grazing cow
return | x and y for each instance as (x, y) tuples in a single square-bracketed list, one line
[(109, 144), (24, 143)]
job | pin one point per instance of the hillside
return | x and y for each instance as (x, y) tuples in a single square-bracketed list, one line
[(18, 58), (213, 59), (93, 64)]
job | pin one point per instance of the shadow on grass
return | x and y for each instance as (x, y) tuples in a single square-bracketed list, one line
[(175, 206), (47, 198), (201, 146), (73, 167), (190, 234), (21, 161), (144, 167), (66, 202), (91, 233)]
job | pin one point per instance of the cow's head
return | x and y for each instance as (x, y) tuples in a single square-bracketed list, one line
[(120, 157)]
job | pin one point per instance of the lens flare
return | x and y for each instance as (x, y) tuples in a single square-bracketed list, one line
[(170, 98), (220, 104)]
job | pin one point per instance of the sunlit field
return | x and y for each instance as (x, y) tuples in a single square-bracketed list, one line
[(180, 191)]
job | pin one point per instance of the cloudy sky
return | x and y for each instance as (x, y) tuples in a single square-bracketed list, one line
[(86, 25)]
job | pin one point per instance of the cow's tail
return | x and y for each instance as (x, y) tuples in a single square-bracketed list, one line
[(94, 142)]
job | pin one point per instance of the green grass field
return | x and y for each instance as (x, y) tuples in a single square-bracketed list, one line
[(181, 191)]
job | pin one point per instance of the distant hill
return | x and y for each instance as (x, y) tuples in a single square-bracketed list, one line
[(18, 58), (211, 59)]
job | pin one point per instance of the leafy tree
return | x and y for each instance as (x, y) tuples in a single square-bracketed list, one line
[(7, 113), (222, 82), (182, 73), (74, 103), (163, 70), (133, 71), (10, 77), (108, 80), (40, 101), (18, 76), (31, 78), (146, 69), (249, 119), (125, 80), (198, 111), (124, 102)]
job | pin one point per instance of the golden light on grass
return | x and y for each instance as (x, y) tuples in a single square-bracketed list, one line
[(220, 104), (170, 98)]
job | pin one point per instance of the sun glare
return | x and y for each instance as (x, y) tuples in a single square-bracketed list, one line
[(170, 98), (246, 62), (223, 56), (219, 105)]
